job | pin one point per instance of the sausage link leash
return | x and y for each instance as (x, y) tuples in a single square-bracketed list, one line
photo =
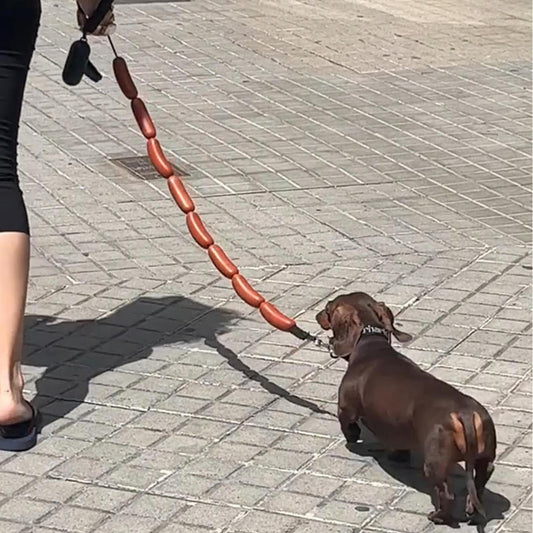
[(78, 64), (194, 223)]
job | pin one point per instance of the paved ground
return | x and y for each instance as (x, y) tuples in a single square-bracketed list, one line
[(330, 146)]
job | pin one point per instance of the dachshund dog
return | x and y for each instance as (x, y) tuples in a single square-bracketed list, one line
[(406, 408)]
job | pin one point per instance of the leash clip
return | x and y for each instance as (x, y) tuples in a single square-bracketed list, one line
[(317, 341), (308, 336)]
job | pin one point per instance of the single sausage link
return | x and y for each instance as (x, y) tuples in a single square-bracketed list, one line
[(123, 77), (245, 291), (197, 230), (275, 317), (180, 194), (158, 159), (223, 263), (143, 118)]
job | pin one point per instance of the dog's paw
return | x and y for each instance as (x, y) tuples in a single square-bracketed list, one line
[(353, 437), (435, 517), (473, 516), (475, 519), (440, 518), (352, 434), (353, 445)]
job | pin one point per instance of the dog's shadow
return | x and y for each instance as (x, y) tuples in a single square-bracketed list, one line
[(70, 354), (410, 473)]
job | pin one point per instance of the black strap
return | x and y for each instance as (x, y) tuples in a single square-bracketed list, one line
[(96, 18), (300, 333)]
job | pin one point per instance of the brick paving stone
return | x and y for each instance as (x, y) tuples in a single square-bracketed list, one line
[(25, 510), (521, 521), (401, 521), (344, 512), (53, 490), (262, 522), (125, 523), (11, 527), (320, 527), (182, 528), (329, 149), (155, 507), (208, 515), (74, 519), (11, 483), (102, 498)]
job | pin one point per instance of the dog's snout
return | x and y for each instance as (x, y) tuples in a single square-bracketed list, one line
[(323, 319)]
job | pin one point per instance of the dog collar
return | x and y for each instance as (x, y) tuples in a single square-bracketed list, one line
[(374, 330), (367, 330)]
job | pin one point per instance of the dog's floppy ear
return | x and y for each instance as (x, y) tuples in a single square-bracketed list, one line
[(387, 319), (323, 318), (347, 328)]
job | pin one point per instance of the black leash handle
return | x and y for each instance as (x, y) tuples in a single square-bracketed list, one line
[(78, 63)]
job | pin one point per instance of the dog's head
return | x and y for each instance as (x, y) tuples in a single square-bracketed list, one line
[(348, 314), (346, 325)]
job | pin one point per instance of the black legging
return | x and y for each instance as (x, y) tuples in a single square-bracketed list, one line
[(19, 22)]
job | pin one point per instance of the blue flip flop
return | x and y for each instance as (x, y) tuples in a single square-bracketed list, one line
[(22, 435)]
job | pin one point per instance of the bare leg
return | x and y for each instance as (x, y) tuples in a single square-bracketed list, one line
[(19, 22), (14, 266)]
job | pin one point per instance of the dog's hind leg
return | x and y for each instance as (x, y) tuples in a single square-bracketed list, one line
[(483, 471), (437, 461)]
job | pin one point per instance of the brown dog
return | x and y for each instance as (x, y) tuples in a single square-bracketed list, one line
[(405, 407)]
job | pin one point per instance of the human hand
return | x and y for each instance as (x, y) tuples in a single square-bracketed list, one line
[(86, 8)]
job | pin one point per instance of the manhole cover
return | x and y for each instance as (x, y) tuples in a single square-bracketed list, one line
[(141, 167)]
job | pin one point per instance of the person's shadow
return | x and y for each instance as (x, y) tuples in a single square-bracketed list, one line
[(410, 473), (75, 352)]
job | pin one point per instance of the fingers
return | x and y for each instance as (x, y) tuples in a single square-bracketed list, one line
[(106, 27)]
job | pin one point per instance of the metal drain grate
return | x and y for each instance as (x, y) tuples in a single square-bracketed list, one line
[(141, 167)]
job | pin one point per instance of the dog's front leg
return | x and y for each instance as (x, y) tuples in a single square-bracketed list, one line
[(349, 426)]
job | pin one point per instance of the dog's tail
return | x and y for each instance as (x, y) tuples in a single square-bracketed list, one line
[(470, 446)]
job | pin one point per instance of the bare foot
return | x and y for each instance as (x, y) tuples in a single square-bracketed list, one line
[(13, 410)]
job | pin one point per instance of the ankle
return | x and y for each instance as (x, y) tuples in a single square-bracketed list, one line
[(12, 382), (13, 408)]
